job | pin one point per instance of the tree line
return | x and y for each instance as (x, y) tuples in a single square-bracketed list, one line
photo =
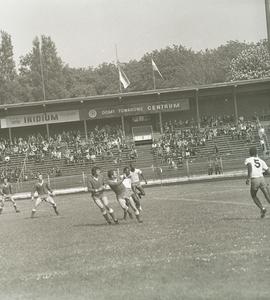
[(180, 66)]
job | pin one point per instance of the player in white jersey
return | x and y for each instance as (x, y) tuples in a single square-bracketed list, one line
[(257, 168), (136, 182), (130, 192)]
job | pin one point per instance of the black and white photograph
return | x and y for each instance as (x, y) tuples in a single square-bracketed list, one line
[(134, 150)]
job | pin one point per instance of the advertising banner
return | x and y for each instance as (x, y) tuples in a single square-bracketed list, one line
[(40, 119), (133, 109)]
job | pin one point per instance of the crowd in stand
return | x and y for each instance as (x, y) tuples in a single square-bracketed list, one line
[(69, 146), (182, 139)]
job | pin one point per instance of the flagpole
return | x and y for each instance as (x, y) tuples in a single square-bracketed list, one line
[(41, 70), (154, 78), (116, 55), (153, 73), (267, 11)]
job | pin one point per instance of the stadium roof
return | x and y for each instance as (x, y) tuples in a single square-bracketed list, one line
[(241, 83)]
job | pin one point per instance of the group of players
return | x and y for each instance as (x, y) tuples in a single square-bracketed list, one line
[(127, 188)]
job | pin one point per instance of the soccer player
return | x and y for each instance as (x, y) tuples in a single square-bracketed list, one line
[(96, 186), (135, 181), (6, 192), (44, 194), (257, 168), (127, 183), (122, 194)]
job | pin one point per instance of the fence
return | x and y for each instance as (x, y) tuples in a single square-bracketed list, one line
[(189, 169)]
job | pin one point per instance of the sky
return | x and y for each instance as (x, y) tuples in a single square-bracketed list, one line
[(86, 31)]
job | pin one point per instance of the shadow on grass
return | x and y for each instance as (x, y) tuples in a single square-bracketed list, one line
[(242, 219), (43, 217), (98, 225)]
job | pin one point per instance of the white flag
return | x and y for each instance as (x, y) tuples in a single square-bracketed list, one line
[(155, 68), (123, 78)]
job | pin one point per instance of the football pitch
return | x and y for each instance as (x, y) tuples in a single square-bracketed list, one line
[(198, 241)]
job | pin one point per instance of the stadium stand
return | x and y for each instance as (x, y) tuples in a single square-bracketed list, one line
[(71, 153), (188, 128), (66, 153)]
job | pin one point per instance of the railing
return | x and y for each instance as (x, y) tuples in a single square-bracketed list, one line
[(190, 169)]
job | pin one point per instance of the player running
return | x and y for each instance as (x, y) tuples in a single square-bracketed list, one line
[(44, 194), (6, 193), (135, 181), (96, 186), (122, 194), (127, 183), (257, 168)]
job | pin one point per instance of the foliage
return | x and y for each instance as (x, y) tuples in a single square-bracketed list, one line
[(43, 58), (179, 66), (8, 76), (252, 63)]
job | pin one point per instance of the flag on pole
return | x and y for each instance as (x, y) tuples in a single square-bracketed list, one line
[(155, 68), (123, 77)]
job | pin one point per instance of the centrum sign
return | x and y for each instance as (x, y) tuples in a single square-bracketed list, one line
[(41, 118), (143, 108)]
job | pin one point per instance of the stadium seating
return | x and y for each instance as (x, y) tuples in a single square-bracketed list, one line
[(209, 141)]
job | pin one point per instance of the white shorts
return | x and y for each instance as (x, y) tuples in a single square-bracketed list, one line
[(7, 197)]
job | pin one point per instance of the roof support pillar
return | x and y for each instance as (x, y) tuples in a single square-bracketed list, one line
[(48, 130), (197, 108), (235, 104), (160, 122), (123, 125), (85, 129), (10, 135)]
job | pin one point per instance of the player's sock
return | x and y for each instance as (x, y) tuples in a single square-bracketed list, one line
[(33, 213), (1, 209), (130, 214), (106, 217), (139, 195), (16, 209), (258, 202), (263, 212), (125, 215), (138, 217), (136, 202), (113, 217), (55, 210)]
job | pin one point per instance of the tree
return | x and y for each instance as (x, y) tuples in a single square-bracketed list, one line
[(42, 65), (79, 82), (106, 79), (251, 63), (180, 66), (8, 76)]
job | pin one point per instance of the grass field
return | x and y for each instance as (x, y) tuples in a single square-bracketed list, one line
[(198, 241)]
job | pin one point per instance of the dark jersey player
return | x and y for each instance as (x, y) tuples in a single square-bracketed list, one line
[(257, 168), (6, 193), (44, 194), (122, 194), (96, 186)]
